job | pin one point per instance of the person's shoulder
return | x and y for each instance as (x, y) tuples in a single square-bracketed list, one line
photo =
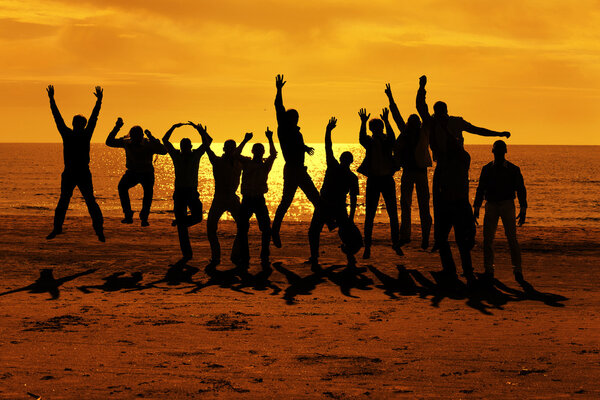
[(512, 166)]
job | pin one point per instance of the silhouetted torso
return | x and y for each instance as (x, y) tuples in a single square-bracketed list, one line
[(292, 144), (76, 149), (500, 181), (255, 175), (186, 167), (226, 171), (410, 140), (338, 182), (378, 157), (138, 156)]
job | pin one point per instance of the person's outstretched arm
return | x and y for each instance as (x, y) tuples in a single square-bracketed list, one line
[(363, 139), (483, 131), (422, 107), (522, 196), (394, 109), (167, 137), (91, 124), (247, 137), (157, 146), (329, 157), (111, 140), (390, 136), (279, 108), (58, 119)]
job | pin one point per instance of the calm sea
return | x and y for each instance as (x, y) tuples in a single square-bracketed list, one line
[(563, 182)]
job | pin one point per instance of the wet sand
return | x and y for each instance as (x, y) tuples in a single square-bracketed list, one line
[(388, 332)]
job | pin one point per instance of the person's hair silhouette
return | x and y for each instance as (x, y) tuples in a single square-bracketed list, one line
[(339, 181), (295, 174), (255, 172), (140, 170), (186, 163), (226, 171), (451, 206), (411, 153), (498, 183), (76, 154), (378, 166)]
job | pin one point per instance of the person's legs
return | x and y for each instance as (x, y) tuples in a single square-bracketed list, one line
[(233, 206), (264, 224), (507, 213), (128, 181), (388, 190), (147, 181), (195, 206), (422, 186), (308, 187), (314, 234), (371, 202), (217, 208), (348, 232), (490, 224), (442, 230), (243, 225), (67, 185), (435, 201), (290, 185), (406, 193), (464, 233), (84, 182), (180, 204)]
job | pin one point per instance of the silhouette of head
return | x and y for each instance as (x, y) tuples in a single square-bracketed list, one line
[(79, 122), (346, 159), (376, 126), (258, 150), (440, 109), (229, 147), (292, 116), (413, 123), (136, 133), (499, 148), (185, 145)]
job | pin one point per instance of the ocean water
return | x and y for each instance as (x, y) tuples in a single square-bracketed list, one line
[(563, 182)]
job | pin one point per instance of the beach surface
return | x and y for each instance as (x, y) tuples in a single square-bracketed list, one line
[(387, 332)]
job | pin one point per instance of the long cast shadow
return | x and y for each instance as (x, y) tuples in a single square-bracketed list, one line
[(300, 285), (46, 283), (350, 277), (116, 282), (260, 281)]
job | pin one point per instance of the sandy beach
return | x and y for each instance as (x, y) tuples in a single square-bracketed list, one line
[(388, 332)]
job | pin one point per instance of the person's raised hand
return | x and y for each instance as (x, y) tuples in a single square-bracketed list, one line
[(99, 92), (422, 81), (50, 90), (522, 216), (248, 136), (332, 123), (505, 134), (388, 90), (310, 151), (119, 122), (385, 114), (148, 133), (279, 82), (269, 133), (362, 113), (179, 124)]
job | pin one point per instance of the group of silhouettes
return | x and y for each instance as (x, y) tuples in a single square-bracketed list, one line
[(385, 154)]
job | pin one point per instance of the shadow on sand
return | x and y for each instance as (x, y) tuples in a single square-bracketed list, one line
[(46, 283)]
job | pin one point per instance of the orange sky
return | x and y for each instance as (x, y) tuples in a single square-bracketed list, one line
[(530, 67)]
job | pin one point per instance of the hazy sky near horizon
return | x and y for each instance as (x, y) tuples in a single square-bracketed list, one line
[(530, 67)]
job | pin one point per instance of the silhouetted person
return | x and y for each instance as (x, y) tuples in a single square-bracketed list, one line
[(451, 206), (378, 167), (227, 170), (76, 154), (186, 162), (339, 181), (138, 161), (295, 174), (255, 172), (498, 183), (411, 153)]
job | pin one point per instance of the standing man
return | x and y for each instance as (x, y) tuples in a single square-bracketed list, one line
[(498, 183), (295, 174), (227, 170), (412, 152), (339, 181), (378, 167), (186, 163), (76, 154), (138, 161), (255, 172), (451, 206)]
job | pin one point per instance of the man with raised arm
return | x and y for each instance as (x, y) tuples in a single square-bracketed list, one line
[(451, 206), (227, 170), (498, 183), (295, 174), (76, 154), (411, 153), (138, 161), (255, 172), (378, 167), (339, 181), (186, 162)]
